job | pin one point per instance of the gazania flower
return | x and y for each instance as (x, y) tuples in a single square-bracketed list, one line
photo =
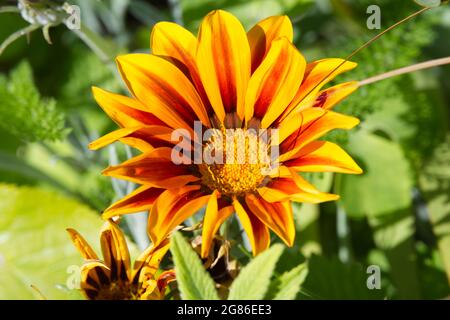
[(226, 78), (113, 278)]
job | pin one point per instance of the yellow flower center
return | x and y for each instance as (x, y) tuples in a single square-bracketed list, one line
[(235, 161)]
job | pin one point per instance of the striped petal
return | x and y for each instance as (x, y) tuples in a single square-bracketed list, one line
[(317, 74), (163, 88), (214, 217), (277, 216), (141, 199), (95, 277), (81, 244), (125, 111), (179, 46), (328, 98), (144, 138), (174, 42), (273, 85), (155, 168), (294, 188), (223, 60), (328, 121), (260, 37), (298, 122), (172, 208), (323, 156), (115, 252), (147, 264), (255, 229)]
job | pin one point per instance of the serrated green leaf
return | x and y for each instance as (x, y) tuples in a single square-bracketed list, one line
[(254, 279), (24, 113), (193, 280), (290, 282), (34, 246)]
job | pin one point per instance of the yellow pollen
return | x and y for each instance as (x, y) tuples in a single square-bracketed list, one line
[(241, 161)]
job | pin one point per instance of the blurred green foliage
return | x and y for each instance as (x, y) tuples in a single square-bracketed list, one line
[(23, 112), (396, 215)]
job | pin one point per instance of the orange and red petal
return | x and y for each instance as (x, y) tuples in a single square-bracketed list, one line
[(125, 111), (141, 199), (260, 37), (298, 122), (317, 74), (328, 121), (277, 216), (323, 156), (328, 98), (216, 213), (256, 230), (163, 89), (143, 138), (294, 188), (223, 61), (147, 264), (173, 207), (173, 42), (115, 252), (155, 168), (274, 83)]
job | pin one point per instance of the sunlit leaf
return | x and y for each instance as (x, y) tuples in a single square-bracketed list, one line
[(385, 185), (435, 184), (193, 280), (328, 278), (290, 282), (254, 279), (34, 246)]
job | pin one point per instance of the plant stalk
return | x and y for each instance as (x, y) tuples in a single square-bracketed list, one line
[(408, 69)]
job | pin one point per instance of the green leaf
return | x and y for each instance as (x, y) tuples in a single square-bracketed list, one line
[(383, 194), (394, 234), (24, 113), (85, 70), (306, 217), (386, 184), (254, 279), (193, 280), (34, 246), (435, 185), (433, 280), (329, 278), (290, 282)]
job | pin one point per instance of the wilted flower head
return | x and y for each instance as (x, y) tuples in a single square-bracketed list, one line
[(113, 278)]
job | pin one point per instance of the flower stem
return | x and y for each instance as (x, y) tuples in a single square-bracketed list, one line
[(408, 69), (16, 35), (104, 50), (9, 9)]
